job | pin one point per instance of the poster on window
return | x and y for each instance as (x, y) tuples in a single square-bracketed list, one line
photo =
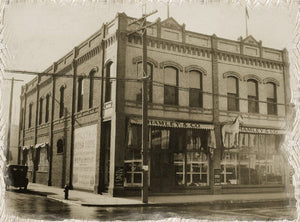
[(84, 162)]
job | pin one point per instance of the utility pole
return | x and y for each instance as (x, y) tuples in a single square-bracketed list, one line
[(9, 116), (145, 78)]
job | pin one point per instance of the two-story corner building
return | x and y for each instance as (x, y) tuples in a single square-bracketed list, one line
[(81, 119)]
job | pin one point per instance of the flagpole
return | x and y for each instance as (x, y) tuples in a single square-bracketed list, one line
[(246, 17)]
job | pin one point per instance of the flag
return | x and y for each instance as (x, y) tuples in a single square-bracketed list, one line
[(247, 14)]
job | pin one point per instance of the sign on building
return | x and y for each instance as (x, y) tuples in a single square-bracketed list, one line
[(84, 163)]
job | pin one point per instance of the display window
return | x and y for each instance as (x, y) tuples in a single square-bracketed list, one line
[(177, 157), (257, 160)]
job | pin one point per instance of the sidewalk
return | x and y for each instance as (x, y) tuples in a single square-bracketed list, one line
[(82, 198)]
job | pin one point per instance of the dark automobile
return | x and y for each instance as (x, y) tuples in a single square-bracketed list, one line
[(15, 176)]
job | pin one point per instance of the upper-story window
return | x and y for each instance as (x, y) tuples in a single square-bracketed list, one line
[(140, 77), (271, 99), (21, 119), (91, 94), (232, 94), (30, 115), (61, 101), (41, 111), (195, 92), (252, 87), (47, 108), (171, 85), (80, 95), (108, 82)]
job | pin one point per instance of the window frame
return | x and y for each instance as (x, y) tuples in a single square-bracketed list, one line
[(253, 99), (30, 115), (199, 91), (234, 96), (61, 101), (273, 103), (47, 108), (91, 89), (175, 87), (150, 84), (108, 84), (80, 94), (41, 111)]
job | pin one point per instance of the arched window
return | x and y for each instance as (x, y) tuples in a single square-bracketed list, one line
[(140, 76), (91, 94), (271, 98), (195, 92), (41, 111), (108, 82), (47, 108), (61, 101), (30, 115), (60, 146), (80, 94), (171, 85), (252, 96), (232, 94)]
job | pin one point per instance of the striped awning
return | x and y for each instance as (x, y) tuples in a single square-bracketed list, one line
[(174, 124)]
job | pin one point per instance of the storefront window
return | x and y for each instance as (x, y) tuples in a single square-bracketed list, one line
[(177, 157), (256, 161), (133, 158), (191, 164)]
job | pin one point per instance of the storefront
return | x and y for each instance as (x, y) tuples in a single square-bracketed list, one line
[(37, 159), (255, 160), (179, 155)]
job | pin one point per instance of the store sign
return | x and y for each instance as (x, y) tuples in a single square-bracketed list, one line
[(261, 130), (84, 162), (175, 124)]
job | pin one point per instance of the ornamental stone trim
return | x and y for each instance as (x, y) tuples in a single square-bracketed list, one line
[(271, 80), (252, 76), (137, 59), (195, 67), (233, 74), (171, 63)]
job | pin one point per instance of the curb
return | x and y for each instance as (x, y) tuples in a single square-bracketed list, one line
[(209, 203)]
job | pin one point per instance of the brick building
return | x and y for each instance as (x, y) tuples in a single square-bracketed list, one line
[(199, 83)]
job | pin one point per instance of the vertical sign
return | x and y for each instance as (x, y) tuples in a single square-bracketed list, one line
[(84, 163)]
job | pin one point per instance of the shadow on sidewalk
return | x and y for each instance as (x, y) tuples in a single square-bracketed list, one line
[(31, 192)]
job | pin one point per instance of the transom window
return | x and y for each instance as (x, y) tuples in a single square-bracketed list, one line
[(195, 91), (232, 94), (171, 85)]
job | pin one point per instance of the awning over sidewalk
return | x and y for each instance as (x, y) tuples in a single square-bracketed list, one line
[(174, 124), (40, 145), (27, 147), (261, 130)]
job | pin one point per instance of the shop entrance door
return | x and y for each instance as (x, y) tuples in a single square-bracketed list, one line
[(160, 176)]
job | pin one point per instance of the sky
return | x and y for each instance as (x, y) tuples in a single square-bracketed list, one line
[(37, 34)]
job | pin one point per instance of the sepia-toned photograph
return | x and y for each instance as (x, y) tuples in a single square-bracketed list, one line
[(167, 110)]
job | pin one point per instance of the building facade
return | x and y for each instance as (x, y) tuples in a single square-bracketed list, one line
[(80, 121)]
